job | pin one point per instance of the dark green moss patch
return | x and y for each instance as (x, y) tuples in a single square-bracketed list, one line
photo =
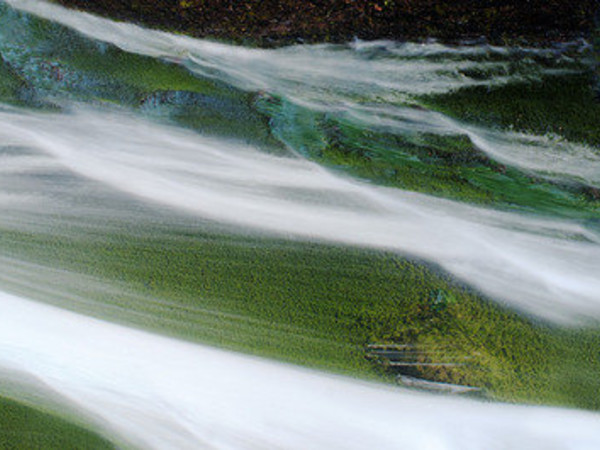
[(13, 88), (561, 105), (23, 427)]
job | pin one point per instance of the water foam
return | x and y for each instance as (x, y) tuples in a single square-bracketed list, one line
[(162, 393)]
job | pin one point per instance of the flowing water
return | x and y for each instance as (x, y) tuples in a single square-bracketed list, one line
[(99, 136)]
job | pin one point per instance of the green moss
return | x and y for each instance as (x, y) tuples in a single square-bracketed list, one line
[(13, 89), (564, 105), (8, 81), (23, 427), (60, 62), (139, 72), (447, 166), (442, 165), (320, 306)]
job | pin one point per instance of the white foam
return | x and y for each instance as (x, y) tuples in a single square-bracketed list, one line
[(319, 73), (162, 393)]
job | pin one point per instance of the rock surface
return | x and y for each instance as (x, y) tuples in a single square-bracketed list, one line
[(274, 22)]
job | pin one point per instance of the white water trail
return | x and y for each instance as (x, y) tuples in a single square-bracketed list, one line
[(547, 156), (166, 394), (546, 267), (320, 73), (367, 81)]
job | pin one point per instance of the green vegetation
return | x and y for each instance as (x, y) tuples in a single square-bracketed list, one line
[(564, 105), (167, 89), (59, 61), (12, 88), (317, 305), (8, 82), (442, 165), (23, 427)]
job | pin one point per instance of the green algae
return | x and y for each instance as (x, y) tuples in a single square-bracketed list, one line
[(25, 427)]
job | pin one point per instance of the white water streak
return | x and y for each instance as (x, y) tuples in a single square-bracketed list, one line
[(310, 71), (549, 156), (549, 268), (343, 80), (161, 393)]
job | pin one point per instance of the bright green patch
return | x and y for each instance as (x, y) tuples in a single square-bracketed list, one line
[(442, 165), (320, 306)]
